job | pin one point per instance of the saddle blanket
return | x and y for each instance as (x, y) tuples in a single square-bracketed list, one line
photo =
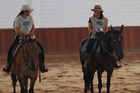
[(84, 50)]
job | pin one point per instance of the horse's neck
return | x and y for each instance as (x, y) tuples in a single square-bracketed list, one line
[(106, 43)]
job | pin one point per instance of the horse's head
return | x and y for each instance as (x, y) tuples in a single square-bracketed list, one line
[(30, 51), (117, 42)]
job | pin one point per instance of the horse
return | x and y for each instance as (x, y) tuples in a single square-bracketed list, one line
[(108, 51), (26, 65)]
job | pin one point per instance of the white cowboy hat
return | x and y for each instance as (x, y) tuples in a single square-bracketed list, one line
[(26, 7)]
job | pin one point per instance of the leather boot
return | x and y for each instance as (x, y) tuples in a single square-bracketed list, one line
[(7, 69), (43, 69), (117, 65), (87, 63)]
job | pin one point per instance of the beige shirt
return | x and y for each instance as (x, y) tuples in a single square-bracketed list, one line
[(24, 25), (98, 25)]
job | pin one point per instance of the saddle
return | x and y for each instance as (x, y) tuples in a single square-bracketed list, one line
[(95, 45), (84, 50), (16, 49)]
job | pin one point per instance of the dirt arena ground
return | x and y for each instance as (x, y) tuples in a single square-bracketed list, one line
[(65, 76)]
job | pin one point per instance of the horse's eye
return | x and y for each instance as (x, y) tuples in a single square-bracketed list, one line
[(114, 40)]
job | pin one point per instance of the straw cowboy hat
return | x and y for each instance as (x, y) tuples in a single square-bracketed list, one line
[(26, 7), (97, 8)]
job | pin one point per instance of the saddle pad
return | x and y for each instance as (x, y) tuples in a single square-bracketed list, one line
[(16, 49), (84, 50), (94, 47)]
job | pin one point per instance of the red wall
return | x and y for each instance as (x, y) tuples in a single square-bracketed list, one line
[(67, 40)]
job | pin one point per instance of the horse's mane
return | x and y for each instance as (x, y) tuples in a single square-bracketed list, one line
[(107, 35)]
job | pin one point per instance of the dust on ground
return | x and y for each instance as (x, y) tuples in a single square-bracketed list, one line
[(65, 76)]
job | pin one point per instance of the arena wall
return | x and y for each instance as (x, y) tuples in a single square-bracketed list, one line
[(67, 40), (62, 24)]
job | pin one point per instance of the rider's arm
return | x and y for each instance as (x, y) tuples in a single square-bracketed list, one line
[(106, 28), (17, 31), (90, 28), (33, 29)]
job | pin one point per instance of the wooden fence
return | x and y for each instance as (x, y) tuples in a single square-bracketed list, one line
[(67, 40)]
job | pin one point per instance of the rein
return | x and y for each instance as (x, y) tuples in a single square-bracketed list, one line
[(113, 55), (24, 56)]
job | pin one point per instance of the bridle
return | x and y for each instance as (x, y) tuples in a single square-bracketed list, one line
[(23, 53), (114, 40), (114, 54)]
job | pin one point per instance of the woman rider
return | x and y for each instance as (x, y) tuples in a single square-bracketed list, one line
[(24, 25), (97, 25)]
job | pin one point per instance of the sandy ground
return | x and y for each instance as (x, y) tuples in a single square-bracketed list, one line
[(65, 76)]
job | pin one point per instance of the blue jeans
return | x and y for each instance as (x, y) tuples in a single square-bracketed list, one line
[(90, 43)]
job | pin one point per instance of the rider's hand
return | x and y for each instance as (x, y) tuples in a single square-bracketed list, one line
[(99, 33)]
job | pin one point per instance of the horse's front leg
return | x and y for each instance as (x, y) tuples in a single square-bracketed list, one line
[(109, 74), (31, 90), (100, 79), (91, 80), (26, 84), (21, 81), (14, 80)]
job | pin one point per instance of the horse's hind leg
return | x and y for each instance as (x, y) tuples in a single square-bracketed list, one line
[(109, 74), (86, 81), (14, 80)]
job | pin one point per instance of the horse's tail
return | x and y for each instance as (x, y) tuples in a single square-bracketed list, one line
[(39, 77)]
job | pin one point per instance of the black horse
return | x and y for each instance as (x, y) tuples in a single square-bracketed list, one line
[(109, 51)]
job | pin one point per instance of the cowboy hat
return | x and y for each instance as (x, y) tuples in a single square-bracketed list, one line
[(26, 7), (97, 8)]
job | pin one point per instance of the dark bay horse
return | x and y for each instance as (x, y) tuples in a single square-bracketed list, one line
[(26, 65), (107, 53)]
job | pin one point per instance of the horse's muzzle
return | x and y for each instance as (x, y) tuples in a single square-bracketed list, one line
[(120, 56)]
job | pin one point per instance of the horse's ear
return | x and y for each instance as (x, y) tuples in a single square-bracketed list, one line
[(121, 29), (111, 28), (36, 37)]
